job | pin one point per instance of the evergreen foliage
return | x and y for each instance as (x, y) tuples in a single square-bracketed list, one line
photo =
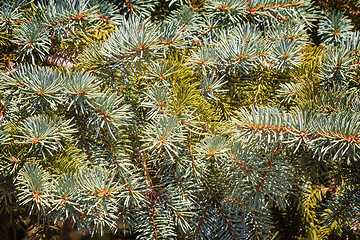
[(159, 119)]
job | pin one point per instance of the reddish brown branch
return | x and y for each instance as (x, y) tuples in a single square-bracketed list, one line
[(203, 216), (227, 223), (270, 161)]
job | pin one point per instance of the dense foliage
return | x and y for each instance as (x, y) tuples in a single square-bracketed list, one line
[(179, 119)]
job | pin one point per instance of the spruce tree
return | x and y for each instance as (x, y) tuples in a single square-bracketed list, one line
[(174, 119)]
